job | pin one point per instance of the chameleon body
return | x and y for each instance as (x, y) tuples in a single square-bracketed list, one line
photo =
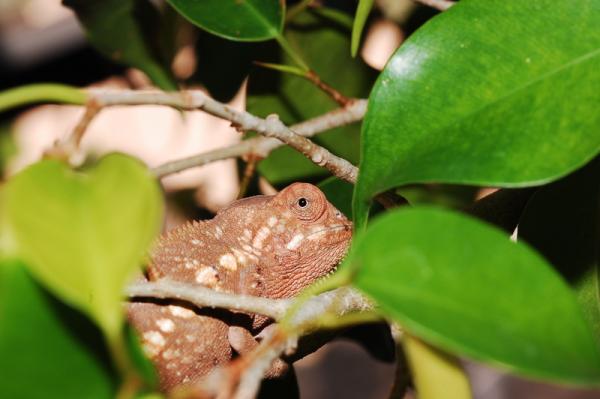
[(269, 246)]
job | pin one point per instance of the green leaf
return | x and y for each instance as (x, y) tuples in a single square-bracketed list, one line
[(46, 349), (562, 221), (462, 285), (83, 234), (246, 20), (114, 28), (362, 13), (486, 93), (323, 43)]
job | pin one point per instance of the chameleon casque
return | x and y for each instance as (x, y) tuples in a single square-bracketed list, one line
[(269, 246)]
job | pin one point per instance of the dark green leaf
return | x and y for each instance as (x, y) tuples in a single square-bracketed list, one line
[(115, 29), (465, 287), (83, 234), (246, 20), (339, 193), (46, 349), (223, 65), (323, 44), (562, 221), (487, 93)]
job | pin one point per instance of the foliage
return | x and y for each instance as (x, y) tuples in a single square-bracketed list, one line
[(488, 93)]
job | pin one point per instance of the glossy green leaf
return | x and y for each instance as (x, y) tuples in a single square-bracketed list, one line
[(562, 221), (362, 13), (246, 20), (462, 285), (323, 42), (115, 28), (486, 93), (46, 349), (83, 234)]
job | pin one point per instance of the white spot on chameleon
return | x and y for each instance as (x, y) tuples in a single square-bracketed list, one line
[(196, 242), (207, 276), (272, 221), (165, 325), (189, 264), (261, 235), (171, 354), (228, 262), (247, 235), (239, 255), (190, 337), (295, 242), (182, 312), (153, 342), (218, 232)]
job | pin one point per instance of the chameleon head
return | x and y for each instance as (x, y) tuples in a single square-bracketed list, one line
[(310, 238)]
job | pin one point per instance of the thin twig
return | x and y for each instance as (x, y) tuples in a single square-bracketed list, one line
[(330, 91), (67, 148), (441, 5), (91, 110), (249, 170)]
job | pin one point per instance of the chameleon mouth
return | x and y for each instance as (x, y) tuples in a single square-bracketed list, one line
[(331, 229)]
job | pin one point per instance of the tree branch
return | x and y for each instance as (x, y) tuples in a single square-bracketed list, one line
[(263, 146), (205, 297), (241, 379), (270, 126), (246, 372)]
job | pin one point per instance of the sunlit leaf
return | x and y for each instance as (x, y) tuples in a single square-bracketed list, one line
[(486, 93), (83, 234)]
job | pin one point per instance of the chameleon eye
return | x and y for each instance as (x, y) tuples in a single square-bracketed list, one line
[(305, 201)]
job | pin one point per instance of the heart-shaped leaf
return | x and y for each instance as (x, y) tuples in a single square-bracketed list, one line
[(464, 286), (247, 20), (83, 234), (486, 93)]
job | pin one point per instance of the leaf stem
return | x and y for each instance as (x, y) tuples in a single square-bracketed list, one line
[(131, 380), (41, 92), (297, 9)]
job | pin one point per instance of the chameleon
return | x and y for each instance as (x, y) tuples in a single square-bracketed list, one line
[(268, 245)]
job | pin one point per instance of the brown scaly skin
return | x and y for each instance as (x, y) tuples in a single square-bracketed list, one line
[(269, 246)]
